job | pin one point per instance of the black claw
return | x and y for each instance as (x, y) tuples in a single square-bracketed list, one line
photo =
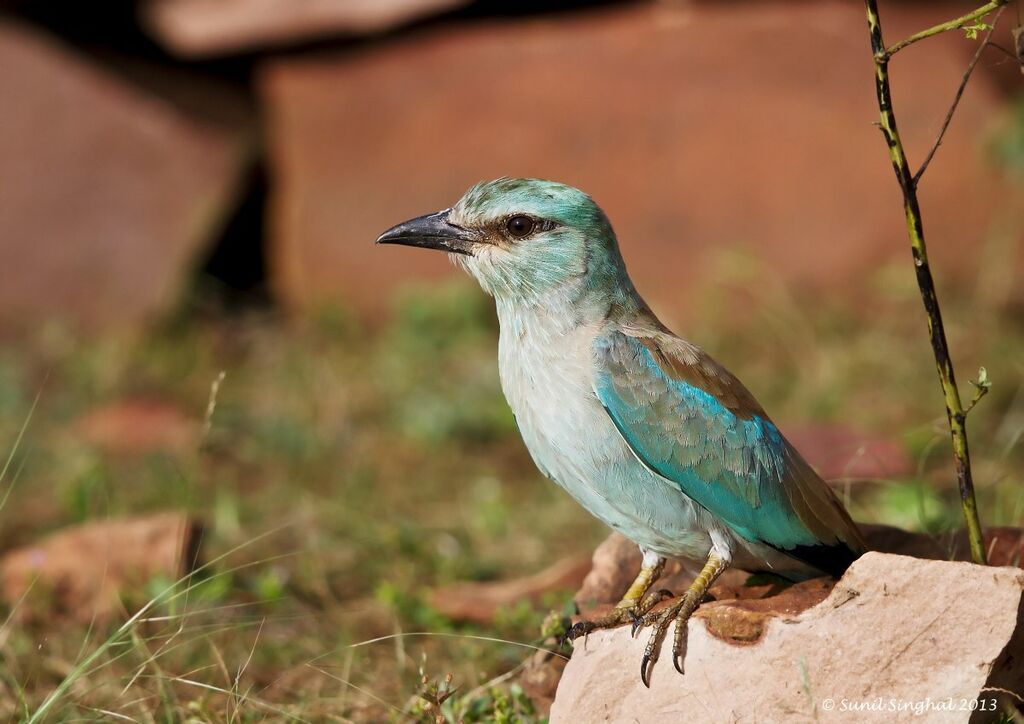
[(638, 621), (645, 671), (677, 661), (578, 629)]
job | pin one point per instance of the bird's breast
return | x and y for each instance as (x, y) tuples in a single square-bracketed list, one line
[(547, 371)]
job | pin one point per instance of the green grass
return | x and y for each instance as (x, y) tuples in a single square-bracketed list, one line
[(346, 471)]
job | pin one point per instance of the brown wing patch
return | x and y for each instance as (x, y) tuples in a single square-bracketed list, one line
[(686, 362)]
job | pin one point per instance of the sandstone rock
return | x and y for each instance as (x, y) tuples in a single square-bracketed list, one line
[(741, 609), (540, 675), (109, 192), (194, 28), (697, 127), (614, 565), (894, 629), (83, 572)]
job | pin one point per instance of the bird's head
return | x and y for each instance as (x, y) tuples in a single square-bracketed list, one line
[(523, 239)]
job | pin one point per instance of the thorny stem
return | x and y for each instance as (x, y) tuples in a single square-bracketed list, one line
[(883, 54), (915, 230)]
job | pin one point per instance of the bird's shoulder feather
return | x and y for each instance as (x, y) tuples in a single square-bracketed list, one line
[(685, 362)]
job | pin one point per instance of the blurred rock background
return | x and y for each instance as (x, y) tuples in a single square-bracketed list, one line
[(206, 363), (265, 144)]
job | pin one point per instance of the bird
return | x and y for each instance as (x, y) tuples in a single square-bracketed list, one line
[(642, 428)]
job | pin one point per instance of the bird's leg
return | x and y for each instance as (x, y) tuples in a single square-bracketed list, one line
[(634, 604), (679, 612)]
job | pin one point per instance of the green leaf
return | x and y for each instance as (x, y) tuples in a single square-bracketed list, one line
[(971, 31)]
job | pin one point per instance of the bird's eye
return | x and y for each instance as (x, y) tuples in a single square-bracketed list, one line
[(520, 226)]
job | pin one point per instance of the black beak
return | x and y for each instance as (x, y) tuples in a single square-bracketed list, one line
[(432, 231)]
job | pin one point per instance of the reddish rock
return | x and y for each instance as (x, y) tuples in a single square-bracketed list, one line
[(697, 127), (613, 567), (745, 620), (617, 560), (838, 452), (540, 676), (479, 602), (1004, 545), (195, 28), (109, 192), (138, 426), (83, 572)]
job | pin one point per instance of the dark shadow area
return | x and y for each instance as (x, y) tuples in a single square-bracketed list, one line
[(1004, 680), (235, 269), (113, 30)]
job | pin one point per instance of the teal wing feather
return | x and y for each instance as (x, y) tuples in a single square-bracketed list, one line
[(691, 422)]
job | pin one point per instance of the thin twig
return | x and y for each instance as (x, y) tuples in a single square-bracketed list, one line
[(915, 230), (959, 95), (1003, 50), (883, 53), (979, 392)]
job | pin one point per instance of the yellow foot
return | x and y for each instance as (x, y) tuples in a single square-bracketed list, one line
[(680, 612), (619, 615)]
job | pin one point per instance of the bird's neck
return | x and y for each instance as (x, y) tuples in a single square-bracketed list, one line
[(565, 308)]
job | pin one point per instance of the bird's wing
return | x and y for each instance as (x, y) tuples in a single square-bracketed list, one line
[(691, 422)]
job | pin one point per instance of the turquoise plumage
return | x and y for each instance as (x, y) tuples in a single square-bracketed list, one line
[(643, 429), (719, 446)]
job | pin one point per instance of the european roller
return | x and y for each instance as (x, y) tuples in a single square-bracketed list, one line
[(644, 429)]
